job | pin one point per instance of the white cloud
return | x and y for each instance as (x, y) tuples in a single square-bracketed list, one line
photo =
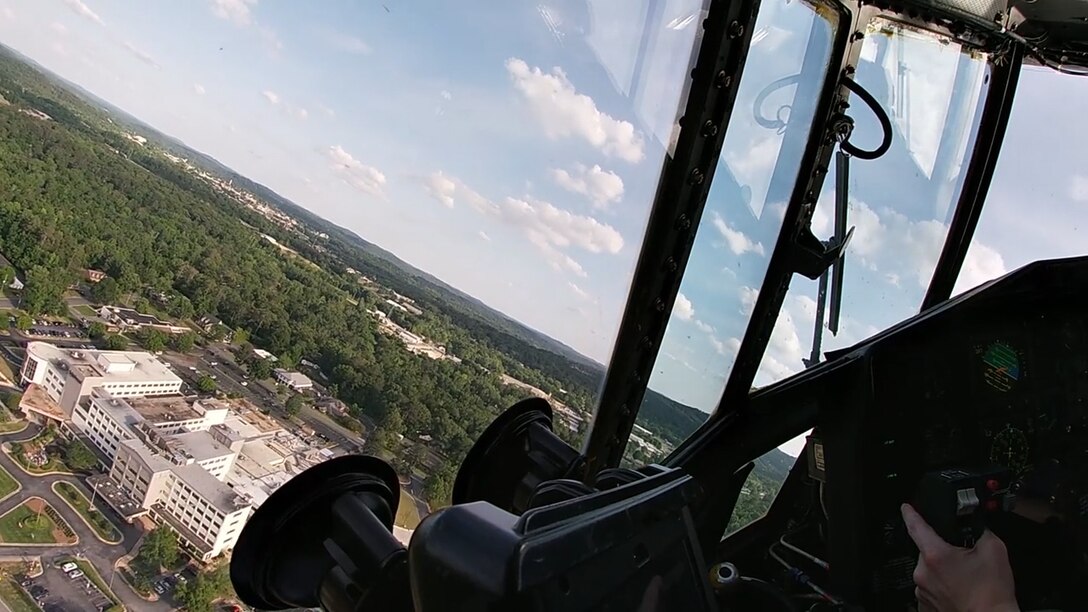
[(563, 112), (7, 13), (483, 236), (236, 11), (982, 264), (271, 96), (58, 27), (198, 89), (734, 239), (347, 43), (704, 327), (561, 228), (441, 188), (718, 345), (728, 348), (325, 110), (367, 179), (602, 187), (1078, 188), (141, 55), (302, 113), (81, 9), (549, 228), (683, 308), (899, 248), (748, 297), (785, 352), (448, 190), (446, 95), (578, 291)]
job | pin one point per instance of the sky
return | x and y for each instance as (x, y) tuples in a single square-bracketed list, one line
[(514, 151)]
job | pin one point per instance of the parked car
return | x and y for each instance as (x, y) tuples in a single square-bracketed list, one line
[(181, 578), (75, 574), (67, 567), (159, 589)]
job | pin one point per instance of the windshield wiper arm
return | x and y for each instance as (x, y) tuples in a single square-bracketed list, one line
[(843, 128), (838, 242)]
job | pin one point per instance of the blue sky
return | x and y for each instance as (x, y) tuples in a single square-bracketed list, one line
[(513, 150)]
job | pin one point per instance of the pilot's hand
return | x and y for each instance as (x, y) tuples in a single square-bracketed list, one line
[(954, 579)]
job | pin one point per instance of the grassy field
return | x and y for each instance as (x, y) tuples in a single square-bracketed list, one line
[(79, 502), (6, 371), (24, 526), (15, 597), (8, 485), (407, 513), (85, 310), (7, 427)]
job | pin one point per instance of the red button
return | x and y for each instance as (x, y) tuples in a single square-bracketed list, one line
[(992, 505), (993, 485)]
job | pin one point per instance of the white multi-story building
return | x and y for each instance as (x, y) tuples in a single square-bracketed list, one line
[(109, 420), (178, 476), (175, 478), (294, 380), (68, 375)]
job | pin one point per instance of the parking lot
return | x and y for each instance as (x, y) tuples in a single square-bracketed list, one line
[(55, 591), (49, 329)]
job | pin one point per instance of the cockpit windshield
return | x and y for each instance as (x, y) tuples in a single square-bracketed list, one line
[(756, 173), (900, 204)]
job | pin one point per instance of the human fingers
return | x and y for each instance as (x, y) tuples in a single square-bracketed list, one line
[(925, 600), (927, 540)]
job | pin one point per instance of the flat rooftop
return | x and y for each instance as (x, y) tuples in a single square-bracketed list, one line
[(218, 494), (35, 399), (263, 423), (297, 379), (138, 367), (134, 317), (198, 445), (164, 409)]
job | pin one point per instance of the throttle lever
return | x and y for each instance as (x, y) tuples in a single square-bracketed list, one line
[(959, 503)]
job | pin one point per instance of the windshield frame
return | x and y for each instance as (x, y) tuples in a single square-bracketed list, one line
[(752, 427), (676, 213)]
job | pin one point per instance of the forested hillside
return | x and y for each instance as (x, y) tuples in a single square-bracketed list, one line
[(74, 193)]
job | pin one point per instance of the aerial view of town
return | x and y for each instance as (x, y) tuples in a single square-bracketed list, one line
[(177, 342)]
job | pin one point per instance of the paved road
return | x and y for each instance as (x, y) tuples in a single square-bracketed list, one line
[(101, 555)]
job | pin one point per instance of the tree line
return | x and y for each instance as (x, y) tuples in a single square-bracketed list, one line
[(68, 202)]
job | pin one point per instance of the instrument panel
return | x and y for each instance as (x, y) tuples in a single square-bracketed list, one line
[(996, 377)]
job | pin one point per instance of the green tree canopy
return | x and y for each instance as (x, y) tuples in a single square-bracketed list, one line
[(259, 368), (197, 595), (159, 548), (206, 384), (294, 404), (45, 290), (106, 291), (78, 456), (184, 342), (96, 330), (439, 487), (23, 321), (115, 342), (153, 340)]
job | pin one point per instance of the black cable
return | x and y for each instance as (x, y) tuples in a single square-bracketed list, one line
[(881, 116), (769, 590)]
